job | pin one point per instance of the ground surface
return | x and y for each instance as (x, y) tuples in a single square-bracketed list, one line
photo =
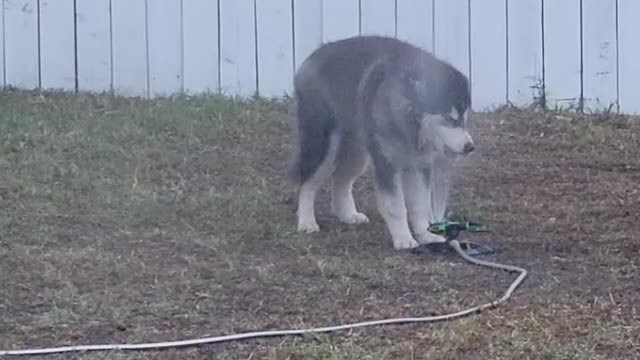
[(130, 221)]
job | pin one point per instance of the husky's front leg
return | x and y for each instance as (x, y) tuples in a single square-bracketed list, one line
[(418, 201), (391, 204), (440, 185)]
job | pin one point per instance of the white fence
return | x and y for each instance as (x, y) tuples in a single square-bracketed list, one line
[(512, 50)]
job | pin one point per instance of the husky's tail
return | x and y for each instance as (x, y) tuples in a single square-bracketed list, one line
[(314, 125), (316, 120)]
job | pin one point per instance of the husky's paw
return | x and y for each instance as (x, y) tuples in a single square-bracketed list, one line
[(354, 218), (428, 238), (308, 227), (405, 243)]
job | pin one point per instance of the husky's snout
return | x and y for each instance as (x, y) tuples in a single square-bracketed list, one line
[(469, 145), (455, 140), (468, 148)]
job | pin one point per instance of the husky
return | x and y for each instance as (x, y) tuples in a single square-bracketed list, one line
[(379, 103)]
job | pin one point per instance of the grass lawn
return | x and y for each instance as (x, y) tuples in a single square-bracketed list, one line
[(126, 220)]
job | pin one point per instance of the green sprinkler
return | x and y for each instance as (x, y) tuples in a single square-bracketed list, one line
[(450, 231)]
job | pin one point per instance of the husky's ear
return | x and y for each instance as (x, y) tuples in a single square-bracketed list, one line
[(415, 87)]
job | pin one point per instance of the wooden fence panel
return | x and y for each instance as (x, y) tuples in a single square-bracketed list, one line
[(238, 75), (275, 47), (22, 65), (512, 51), (130, 61), (562, 53), (415, 22), (307, 28), (2, 53), (599, 54), (524, 51), (451, 19), (200, 46), (341, 19), (93, 19), (378, 17), (629, 72), (488, 54), (57, 45), (165, 46)]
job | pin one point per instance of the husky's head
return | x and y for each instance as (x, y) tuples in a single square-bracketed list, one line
[(447, 132), (440, 103)]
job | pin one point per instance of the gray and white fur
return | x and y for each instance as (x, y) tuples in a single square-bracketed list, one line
[(380, 103)]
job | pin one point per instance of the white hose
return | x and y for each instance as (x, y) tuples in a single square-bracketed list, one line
[(262, 334)]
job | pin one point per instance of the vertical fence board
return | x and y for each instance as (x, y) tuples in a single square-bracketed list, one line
[(57, 45), (200, 47), (94, 45), (562, 53), (629, 52), (599, 53), (415, 22), (165, 46), (341, 19), (488, 54), (2, 53), (307, 28), (524, 51), (275, 47), (21, 43), (451, 20), (378, 17), (130, 64), (237, 47)]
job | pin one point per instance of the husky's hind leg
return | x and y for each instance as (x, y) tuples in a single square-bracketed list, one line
[(351, 163), (309, 188), (313, 161)]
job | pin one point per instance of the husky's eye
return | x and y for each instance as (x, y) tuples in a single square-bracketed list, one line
[(455, 117), (452, 120)]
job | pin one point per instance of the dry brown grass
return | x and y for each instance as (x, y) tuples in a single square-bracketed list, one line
[(129, 220)]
